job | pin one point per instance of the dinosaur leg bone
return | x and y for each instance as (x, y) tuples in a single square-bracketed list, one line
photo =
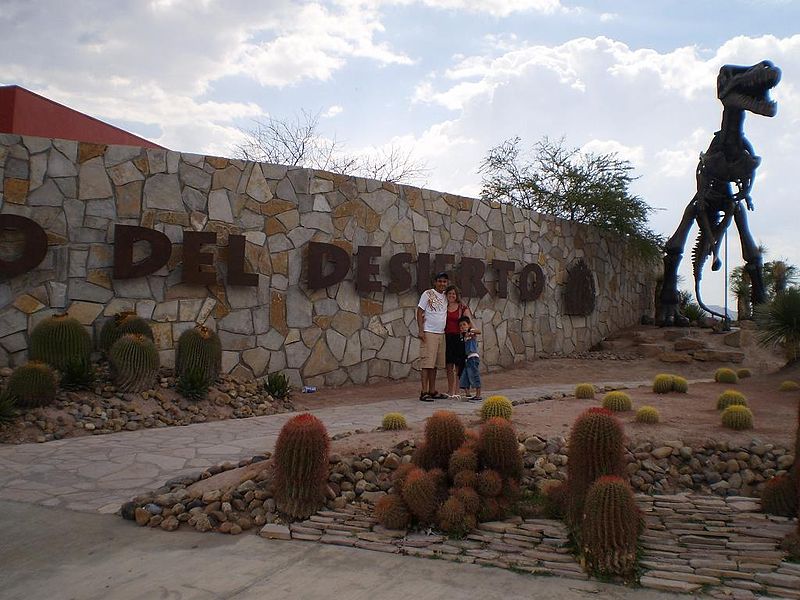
[(751, 255), (673, 252)]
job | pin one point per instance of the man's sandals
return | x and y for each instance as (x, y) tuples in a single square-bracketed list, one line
[(430, 397)]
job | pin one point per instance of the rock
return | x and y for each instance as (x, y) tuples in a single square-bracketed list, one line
[(171, 523), (729, 356), (141, 516), (688, 343), (674, 357), (662, 452), (273, 531), (202, 522)]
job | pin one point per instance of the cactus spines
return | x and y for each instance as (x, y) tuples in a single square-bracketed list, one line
[(498, 448), (737, 417), (663, 383), (729, 398), (744, 373), (392, 513), (584, 391), (725, 375), (789, 386), (595, 450), (444, 433), (496, 406), (489, 509), (469, 497), (32, 385), (617, 401), (779, 496), (451, 516), (8, 411), (198, 353), (399, 476), (465, 479), (490, 483), (121, 324), (420, 494), (556, 499), (680, 384), (301, 466), (463, 459), (512, 491), (648, 415), (64, 344), (394, 421), (134, 362), (610, 528)]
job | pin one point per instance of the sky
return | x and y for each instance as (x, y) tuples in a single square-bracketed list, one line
[(445, 79)]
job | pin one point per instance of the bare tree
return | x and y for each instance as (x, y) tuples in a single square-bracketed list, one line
[(297, 142)]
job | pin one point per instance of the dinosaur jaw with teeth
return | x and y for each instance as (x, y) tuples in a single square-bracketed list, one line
[(747, 88)]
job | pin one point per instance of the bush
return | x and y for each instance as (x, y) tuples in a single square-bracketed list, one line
[(64, 344), (729, 398), (584, 391), (277, 385), (120, 324), (789, 386), (779, 496), (737, 417), (648, 415), (744, 373), (31, 386), (134, 362), (725, 375), (301, 466), (498, 448), (663, 383), (779, 322), (679, 384), (394, 421), (496, 406), (392, 513), (617, 402)]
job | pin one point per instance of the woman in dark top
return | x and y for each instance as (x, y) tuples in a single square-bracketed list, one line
[(454, 350)]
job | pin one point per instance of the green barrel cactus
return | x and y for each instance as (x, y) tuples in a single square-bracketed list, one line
[(198, 361), (744, 373), (64, 344), (729, 398), (663, 383), (121, 324), (32, 385), (394, 421), (648, 415), (789, 386), (725, 375), (584, 391), (737, 417), (617, 401), (496, 406), (134, 362), (679, 384)]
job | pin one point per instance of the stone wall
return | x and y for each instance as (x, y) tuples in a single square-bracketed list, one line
[(78, 191)]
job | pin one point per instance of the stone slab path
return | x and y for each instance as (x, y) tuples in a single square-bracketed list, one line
[(100, 472)]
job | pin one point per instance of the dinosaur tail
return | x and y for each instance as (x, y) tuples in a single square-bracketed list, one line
[(700, 253)]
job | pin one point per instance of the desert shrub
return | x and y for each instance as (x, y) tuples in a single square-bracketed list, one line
[(737, 417), (663, 383), (744, 373), (725, 375), (393, 421), (32, 385), (680, 384), (648, 415), (134, 362), (617, 401), (789, 386), (584, 391), (301, 466), (64, 344), (729, 398), (498, 448), (391, 512), (779, 322), (277, 385), (779, 496), (496, 406)]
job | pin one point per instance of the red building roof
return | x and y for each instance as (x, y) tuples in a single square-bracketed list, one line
[(24, 113)]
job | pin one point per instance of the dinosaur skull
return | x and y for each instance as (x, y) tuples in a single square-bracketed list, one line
[(747, 88)]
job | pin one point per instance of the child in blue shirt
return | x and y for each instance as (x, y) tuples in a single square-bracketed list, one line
[(470, 376)]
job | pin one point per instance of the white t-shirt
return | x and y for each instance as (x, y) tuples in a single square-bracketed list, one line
[(435, 306)]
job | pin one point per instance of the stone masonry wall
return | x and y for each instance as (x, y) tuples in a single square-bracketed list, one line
[(78, 191)]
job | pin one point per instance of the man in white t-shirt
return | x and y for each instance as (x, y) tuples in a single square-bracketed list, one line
[(431, 317)]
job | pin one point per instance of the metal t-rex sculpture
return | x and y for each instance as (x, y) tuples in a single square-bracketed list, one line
[(729, 160)]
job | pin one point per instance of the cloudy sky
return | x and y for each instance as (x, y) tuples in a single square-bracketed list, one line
[(446, 78)]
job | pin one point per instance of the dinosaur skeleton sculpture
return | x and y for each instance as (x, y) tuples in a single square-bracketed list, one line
[(729, 161)]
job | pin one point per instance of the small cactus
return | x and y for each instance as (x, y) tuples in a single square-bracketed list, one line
[(663, 383), (729, 398), (617, 401), (498, 448), (744, 373), (463, 459), (648, 415), (451, 517), (737, 417), (301, 466), (420, 494), (32, 385), (496, 406), (489, 509), (121, 324), (490, 483), (469, 498), (394, 421), (8, 411), (584, 391), (789, 386), (444, 433), (399, 476), (134, 362), (779, 496), (725, 375), (679, 384), (193, 384), (610, 528), (468, 479), (64, 344), (556, 500), (392, 513), (198, 351)]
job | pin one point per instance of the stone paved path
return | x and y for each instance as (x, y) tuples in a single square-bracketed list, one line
[(100, 472)]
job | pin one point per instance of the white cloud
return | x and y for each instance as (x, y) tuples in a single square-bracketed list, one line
[(499, 8), (608, 17), (332, 111)]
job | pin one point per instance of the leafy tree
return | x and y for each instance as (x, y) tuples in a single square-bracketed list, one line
[(297, 141), (779, 322), (571, 184)]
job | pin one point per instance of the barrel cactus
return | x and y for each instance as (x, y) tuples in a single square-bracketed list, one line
[(489, 509), (498, 448), (496, 406), (8, 407), (489, 484), (64, 344), (737, 417), (399, 476), (134, 362), (120, 324), (556, 499), (32, 385), (394, 421), (444, 433), (420, 495), (198, 357), (729, 398), (301, 466), (610, 528), (663, 383), (680, 384), (744, 373), (648, 415), (584, 391), (391, 512), (469, 498), (468, 479), (452, 516), (789, 386), (725, 375), (779, 496), (463, 459), (617, 402)]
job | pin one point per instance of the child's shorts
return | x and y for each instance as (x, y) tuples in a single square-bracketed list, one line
[(470, 376)]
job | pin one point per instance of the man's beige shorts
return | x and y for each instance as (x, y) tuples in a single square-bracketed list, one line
[(431, 351)]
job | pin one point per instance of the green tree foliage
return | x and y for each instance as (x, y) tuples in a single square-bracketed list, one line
[(571, 184)]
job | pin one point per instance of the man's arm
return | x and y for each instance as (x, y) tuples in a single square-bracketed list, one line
[(421, 323)]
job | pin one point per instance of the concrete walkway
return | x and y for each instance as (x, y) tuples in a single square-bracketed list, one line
[(52, 553), (100, 472)]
